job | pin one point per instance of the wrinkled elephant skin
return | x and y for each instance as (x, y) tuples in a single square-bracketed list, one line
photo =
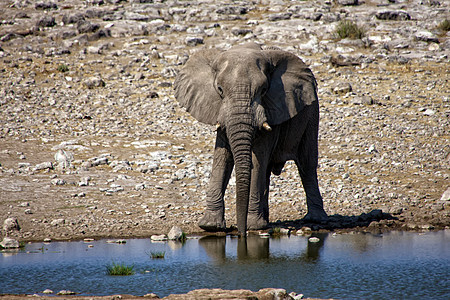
[(264, 103)]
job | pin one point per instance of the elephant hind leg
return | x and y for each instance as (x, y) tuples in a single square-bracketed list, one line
[(307, 162)]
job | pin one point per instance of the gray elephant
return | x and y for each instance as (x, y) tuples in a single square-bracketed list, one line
[(264, 103)]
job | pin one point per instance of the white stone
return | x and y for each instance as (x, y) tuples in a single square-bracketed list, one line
[(9, 243), (446, 195), (304, 231), (429, 112), (158, 238), (175, 233), (58, 222), (284, 231), (10, 225)]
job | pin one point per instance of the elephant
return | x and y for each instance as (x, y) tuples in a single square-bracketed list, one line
[(264, 103)]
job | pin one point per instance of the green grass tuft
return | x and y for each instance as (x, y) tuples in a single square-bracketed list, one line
[(348, 29), (444, 26), (63, 68), (276, 231), (119, 270), (158, 254)]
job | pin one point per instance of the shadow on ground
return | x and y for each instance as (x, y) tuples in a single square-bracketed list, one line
[(374, 220)]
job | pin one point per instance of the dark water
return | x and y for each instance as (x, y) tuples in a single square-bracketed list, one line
[(396, 265)]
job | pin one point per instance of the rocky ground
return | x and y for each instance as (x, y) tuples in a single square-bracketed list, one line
[(93, 143), (201, 294)]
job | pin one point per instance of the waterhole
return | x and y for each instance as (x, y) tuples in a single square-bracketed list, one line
[(396, 265)]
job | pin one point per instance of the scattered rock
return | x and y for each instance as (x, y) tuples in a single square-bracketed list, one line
[(63, 159), (366, 100), (11, 225), (342, 88), (240, 31), (94, 82), (445, 196), (159, 238), (84, 181), (296, 296), (58, 222), (348, 2), (304, 231), (175, 233), (366, 150), (45, 6), (267, 293), (58, 181), (429, 112), (284, 231), (48, 165), (194, 40), (65, 293), (280, 16), (46, 21), (73, 18), (313, 239), (397, 15), (9, 243), (341, 61), (426, 36)]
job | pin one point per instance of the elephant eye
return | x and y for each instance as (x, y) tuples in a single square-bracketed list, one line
[(220, 90)]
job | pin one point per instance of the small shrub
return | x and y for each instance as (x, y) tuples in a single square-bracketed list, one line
[(119, 270), (444, 26), (276, 231), (158, 254), (348, 29), (63, 68)]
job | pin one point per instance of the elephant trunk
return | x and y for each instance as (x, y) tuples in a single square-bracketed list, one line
[(240, 131)]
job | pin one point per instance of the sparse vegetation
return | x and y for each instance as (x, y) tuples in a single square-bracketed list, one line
[(63, 68), (348, 29), (119, 270), (444, 26), (276, 231), (158, 254)]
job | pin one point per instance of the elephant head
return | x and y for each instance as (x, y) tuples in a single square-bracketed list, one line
[(242, 90)]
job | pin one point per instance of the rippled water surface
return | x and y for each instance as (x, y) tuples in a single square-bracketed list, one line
[(396, 265)]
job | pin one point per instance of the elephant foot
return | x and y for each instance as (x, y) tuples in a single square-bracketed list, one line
[(212, 221), (256, 222), (316, 216)]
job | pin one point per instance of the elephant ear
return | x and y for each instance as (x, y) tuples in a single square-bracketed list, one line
[(194, 87), (292, 87)]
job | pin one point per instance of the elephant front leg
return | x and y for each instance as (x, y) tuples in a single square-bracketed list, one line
[(214, 215), (258, 210)]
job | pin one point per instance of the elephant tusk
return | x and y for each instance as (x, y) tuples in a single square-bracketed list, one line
[(217, 126), (266, 126)]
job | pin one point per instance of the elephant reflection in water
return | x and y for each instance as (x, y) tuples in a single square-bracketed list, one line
[(256, 248), (250, 248)]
